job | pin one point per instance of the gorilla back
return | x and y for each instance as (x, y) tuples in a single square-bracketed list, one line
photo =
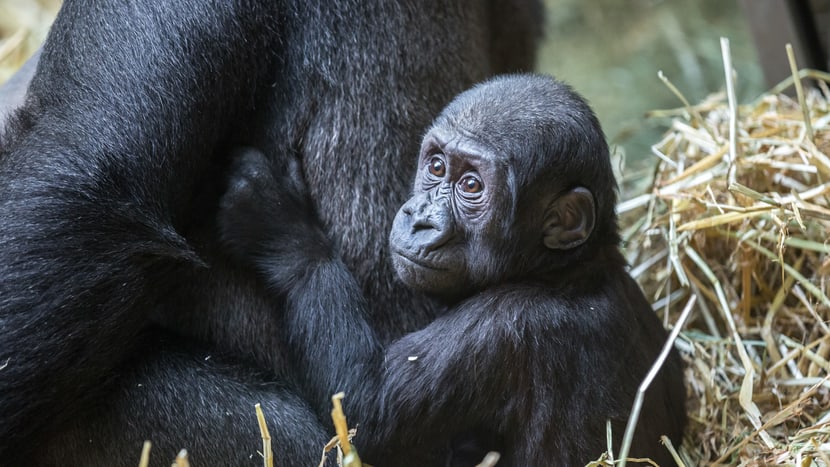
[(109, 181)]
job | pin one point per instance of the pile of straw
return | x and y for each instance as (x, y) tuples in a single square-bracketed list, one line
[(738, 215)]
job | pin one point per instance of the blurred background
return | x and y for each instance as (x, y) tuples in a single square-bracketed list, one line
[(23, 26), (610, 51)]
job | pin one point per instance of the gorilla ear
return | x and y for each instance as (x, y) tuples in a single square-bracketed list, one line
[(569, 219)]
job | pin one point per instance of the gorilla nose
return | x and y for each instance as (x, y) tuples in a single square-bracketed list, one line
[(425, 222), (431, 223)]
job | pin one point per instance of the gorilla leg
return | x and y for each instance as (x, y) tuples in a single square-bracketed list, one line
[(95, 181)]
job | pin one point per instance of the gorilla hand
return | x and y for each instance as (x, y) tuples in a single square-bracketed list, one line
[(286, 237)]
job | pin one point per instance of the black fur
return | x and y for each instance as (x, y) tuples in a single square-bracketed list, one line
[(110, 175), (540, 346)]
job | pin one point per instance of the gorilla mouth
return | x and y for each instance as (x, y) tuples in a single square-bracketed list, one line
[(420, 262)]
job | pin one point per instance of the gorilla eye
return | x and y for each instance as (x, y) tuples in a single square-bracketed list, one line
[(437, 167), (471, 185)]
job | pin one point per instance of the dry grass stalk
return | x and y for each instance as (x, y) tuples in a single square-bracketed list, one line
[(641, 391), (490, 460), (346, 453), (267, 453), (181, 460), (145, 454), (745, 230)]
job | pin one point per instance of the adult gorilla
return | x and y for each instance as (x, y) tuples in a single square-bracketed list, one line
[(110, 176)]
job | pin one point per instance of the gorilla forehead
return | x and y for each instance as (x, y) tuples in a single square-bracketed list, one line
[(515, 108), (540, 125)]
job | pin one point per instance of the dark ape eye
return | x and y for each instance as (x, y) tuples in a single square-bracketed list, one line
[(471, 185), (437, 167)]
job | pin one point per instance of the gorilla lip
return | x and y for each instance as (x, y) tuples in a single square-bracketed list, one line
[(422, 264)]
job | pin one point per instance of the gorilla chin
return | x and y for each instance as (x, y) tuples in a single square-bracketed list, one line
[(438, 280)]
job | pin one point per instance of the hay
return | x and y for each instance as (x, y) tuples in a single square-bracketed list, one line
[(23, 27), (738, 216), (145, 454), (181, 460), (346, 453), (267, 453)]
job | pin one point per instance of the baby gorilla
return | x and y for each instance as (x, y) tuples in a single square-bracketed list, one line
[(545, 336)]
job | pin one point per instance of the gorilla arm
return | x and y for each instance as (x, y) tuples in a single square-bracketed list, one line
[(476, 371), (432, 385)]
